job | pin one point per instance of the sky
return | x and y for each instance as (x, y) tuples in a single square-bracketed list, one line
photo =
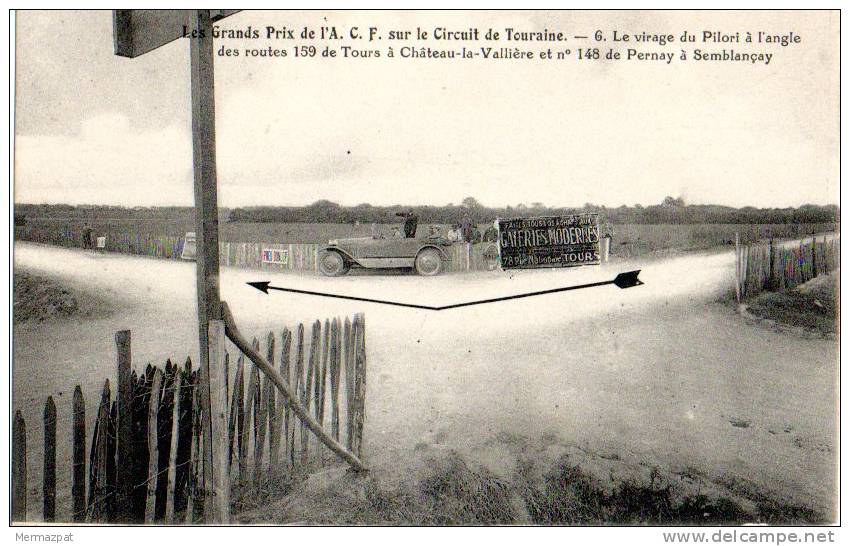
[(94, 128)]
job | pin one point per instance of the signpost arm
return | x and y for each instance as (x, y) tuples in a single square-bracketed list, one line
[(206, 210)]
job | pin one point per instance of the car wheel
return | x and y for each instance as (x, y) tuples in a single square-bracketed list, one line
[(429, 262), (332, 264)]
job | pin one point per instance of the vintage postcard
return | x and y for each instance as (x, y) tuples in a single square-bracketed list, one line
[(426, 268)]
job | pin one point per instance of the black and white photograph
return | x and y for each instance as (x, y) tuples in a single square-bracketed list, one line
[(425, 268)]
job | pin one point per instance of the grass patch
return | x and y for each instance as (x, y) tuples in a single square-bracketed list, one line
[(453, 492), (811, 306), (38, 298)]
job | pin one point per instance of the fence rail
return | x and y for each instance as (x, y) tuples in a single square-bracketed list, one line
[(145, 458), (780, 265)]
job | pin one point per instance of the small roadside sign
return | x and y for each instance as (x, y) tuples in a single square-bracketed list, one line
[(549, 241)]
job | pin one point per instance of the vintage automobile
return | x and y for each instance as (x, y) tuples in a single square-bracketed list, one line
[(425, 255)]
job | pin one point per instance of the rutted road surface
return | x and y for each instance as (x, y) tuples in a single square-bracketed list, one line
[(660, 371)]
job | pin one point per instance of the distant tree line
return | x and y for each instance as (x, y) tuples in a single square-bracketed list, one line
[(670, 211)]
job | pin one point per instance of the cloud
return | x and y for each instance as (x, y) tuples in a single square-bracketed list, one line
[(107, 162)]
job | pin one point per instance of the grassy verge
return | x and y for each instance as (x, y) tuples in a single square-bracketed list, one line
[(38, 298), (453, 491), (811, 306)]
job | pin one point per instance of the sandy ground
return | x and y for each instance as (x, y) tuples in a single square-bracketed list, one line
[(658, 371)]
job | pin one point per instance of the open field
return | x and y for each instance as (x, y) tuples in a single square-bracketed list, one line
[(666, 375), (629, 240)]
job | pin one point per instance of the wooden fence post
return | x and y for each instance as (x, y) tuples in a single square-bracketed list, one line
[(98, 460), (153, 451), (323, 374), (237, 416), (218, 511), (348, 339), (48, 475), (311, 372), (272, 403), (359, 382), (282, 408), (19, 469), (171, 492), (123, 502), (334, 371), (298, 381), (737, 267), (78, 476)]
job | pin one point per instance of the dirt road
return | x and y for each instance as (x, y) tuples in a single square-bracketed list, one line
[(660, 371)]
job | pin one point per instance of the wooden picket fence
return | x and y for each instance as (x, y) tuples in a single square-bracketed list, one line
[(124, 242), (299, 257), (145, 458), (779, 265)]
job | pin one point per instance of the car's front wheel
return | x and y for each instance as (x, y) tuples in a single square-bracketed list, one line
[(429, 262), (332, 264)]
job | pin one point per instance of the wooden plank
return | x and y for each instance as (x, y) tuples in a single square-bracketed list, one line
[(241, 424), (48, 475), (262, 424), (124, 396), (153, 453), (218, 511), (286, 341), (234, 426), (170, 499), (111, 458), (19, 469), (271, 400), (359, 383), (281, 421), (197, 492), (97, 466), (251, 417), (334, 371), (78, 472), (312, 362), (348, 368), (165, 427), (298, 380), (138, 31), (323, 376)]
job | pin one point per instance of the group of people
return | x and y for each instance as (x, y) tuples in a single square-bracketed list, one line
[(467, 232), (463, 231)]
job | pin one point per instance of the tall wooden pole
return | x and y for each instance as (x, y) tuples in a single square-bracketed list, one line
[(206, 208)]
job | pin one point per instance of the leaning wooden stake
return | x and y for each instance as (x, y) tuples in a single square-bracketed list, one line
[(286, 391)]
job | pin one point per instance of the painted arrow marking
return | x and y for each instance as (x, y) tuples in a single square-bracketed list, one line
[(623, 280)]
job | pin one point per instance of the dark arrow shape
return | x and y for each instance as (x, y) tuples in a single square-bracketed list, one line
[(623, 280)]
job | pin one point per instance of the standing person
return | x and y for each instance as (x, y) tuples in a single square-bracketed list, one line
[(491, 235), (466, 228), (87, 237), (410, 223), (376, 233), (454, 233)]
